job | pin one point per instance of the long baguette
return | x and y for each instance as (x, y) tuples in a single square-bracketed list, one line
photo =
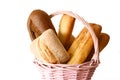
[(103, 40), (80, 37), (65, 29), (82, 45)]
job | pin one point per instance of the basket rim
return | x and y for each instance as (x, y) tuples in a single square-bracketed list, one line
[(83, 66)]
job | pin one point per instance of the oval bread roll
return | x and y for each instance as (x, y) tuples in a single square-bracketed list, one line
[(48, 48)]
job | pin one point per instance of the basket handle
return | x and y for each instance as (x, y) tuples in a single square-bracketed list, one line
[(95, 57)]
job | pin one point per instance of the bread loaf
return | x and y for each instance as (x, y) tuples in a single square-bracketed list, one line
[(82, 45), (38, 22), (103, 40), (65, 30), (49, 48)]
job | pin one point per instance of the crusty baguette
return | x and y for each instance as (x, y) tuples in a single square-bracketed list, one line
[(49, 48), (81, 36), (82, 45), (103, 40), (65, 29), (76, 42), (38, 22)]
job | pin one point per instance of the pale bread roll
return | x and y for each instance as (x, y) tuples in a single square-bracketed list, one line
[(48, 48)]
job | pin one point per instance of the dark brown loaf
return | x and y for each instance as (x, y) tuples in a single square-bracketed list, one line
[(38, 22)]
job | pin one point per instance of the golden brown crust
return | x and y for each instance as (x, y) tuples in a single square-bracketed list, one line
[(82, 45), (103, 40), (80, 37), (65, 29)]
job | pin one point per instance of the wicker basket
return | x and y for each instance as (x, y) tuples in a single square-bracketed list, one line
[(82, 71)]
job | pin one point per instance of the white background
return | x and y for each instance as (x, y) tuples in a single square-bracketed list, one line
[(15, 56)]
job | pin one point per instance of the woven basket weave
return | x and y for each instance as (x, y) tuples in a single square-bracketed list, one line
[(82, 71)]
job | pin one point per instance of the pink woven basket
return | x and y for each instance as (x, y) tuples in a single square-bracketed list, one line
[(82, 71)]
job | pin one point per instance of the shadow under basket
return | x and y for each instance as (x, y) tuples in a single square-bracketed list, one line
[(82, 71)]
